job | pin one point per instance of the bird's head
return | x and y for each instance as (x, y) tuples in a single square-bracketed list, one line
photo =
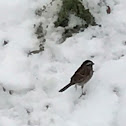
[(88, 63)]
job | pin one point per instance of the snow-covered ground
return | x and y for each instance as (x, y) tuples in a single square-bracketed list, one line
[(36, 79)]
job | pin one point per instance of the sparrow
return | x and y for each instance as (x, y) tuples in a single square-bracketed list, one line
[(81, 76)]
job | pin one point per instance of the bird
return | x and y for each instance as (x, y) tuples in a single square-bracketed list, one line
[(81, 76)]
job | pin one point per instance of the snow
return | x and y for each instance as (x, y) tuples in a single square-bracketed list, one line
[(36, 79)]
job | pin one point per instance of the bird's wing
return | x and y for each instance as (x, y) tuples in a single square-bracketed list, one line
[(77, 78)]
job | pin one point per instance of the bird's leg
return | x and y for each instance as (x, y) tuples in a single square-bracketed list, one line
[(83, 93), (76, 86), (82, 89)]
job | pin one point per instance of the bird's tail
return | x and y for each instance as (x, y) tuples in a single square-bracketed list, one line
[(64, 88)]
